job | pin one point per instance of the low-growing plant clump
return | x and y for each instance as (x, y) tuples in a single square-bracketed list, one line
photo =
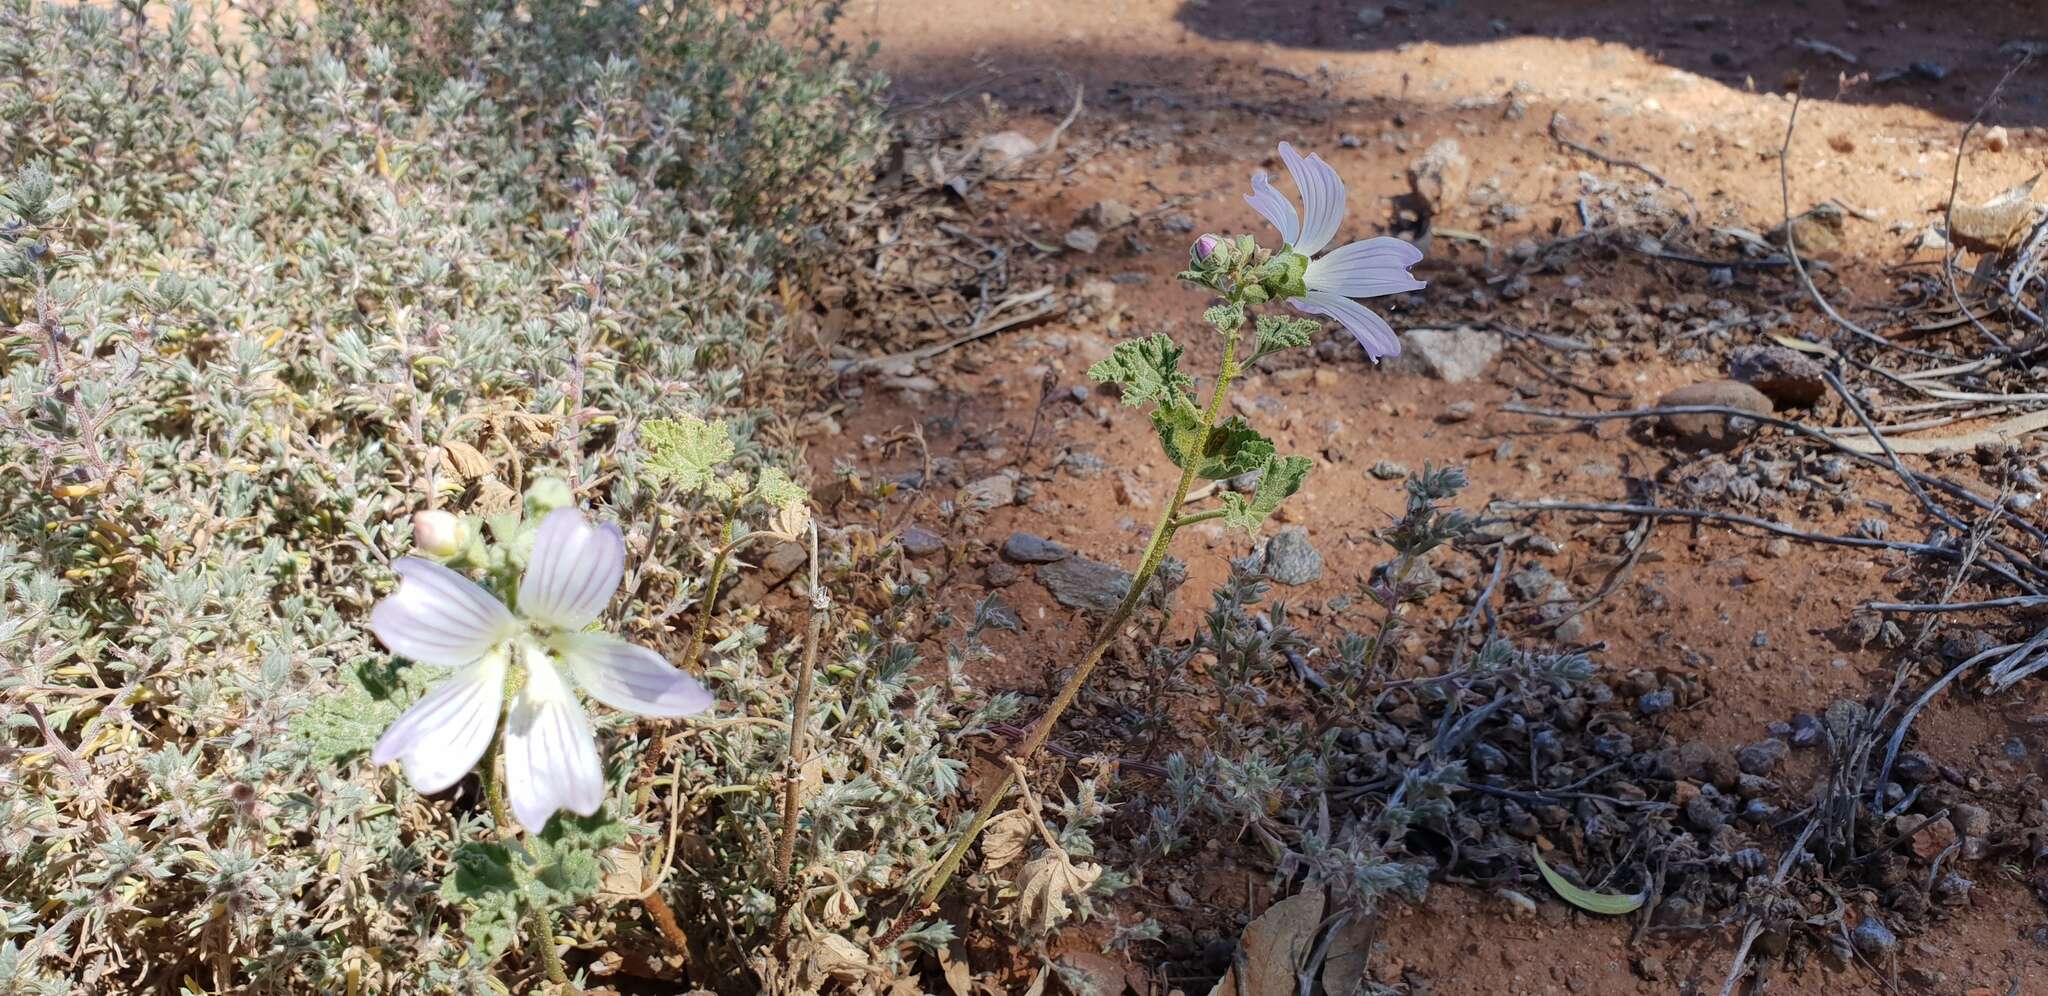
[(270, 284)]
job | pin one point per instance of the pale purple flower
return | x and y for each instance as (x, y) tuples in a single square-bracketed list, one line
[(1205, 246), (1367, 268), (441, 619)]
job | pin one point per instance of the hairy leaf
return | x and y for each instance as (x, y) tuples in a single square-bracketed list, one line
[(1279, 479), (1278, 332), (775, 488), (1227, 317), (1228, 450), (687, 452), (1148, 370)]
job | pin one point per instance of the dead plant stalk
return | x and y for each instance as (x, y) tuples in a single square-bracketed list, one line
[(793, 761)]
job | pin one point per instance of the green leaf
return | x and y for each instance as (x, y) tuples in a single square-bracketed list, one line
[(687, 452), (1279, 479), (561, 862), (566, 867), (776, 489), (1278, 332), (482, 880), (1228, 317), (1603, 903), (1228, 450), (1147, 370), (347, 722)]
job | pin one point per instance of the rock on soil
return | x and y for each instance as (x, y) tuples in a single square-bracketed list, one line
[(1873, 938), (1291, 559), (1762, 757), (1440, 177), (1080, 583), (1450, 355), (1111, 214), (1714, 430), (1026, 548), (921, 542), (1788, 377), (777, 565), (994, 491), (1005, 149)]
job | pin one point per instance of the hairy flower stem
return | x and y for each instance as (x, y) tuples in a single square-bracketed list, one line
[(792, 763), (725, 548), (728, 546), (1155, 553), (540, 921)]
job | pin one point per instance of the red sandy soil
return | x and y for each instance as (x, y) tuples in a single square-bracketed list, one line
[(1183, 101)]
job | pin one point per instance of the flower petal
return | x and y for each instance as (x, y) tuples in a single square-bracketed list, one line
[(1371, 331), (575, 569), (630, 678), (1369, 268), (441, 737), (1322, 199), (1273, 206), (550, 754), (437, 616)]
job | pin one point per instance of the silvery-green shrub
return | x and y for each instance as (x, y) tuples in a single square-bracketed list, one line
[(270, 283)]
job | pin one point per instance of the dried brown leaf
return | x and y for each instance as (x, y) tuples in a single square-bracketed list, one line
[(1005, 840), (1047, 889), (467, 462), (1272, 947)]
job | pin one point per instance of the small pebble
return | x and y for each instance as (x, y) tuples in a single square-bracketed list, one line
[(921, 542), (1873, 938), (1915, 768), (1762, 757)]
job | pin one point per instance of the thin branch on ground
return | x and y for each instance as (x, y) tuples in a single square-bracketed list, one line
[(1948, 223), (1617, 508), (1557, 120), (2009, 602), (1792, 247)]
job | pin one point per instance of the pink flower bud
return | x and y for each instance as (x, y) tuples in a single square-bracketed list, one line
[(1205, 246), (437, 534)]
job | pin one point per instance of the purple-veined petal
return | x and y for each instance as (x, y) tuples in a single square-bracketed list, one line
[(1371, 331), (1371, 268), (575, 568), (437, 616), (1273, 206), (550, 754), (630, 678), (444, 734), (1322, 199)]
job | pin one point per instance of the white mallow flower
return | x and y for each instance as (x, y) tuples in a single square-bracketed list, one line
[(1367, 268), (441, 619)]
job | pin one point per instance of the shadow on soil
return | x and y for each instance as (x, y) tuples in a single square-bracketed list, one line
[(1941, 57)]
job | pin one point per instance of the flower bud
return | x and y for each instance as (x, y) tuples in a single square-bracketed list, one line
[(437, 534), (1206, 247)]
